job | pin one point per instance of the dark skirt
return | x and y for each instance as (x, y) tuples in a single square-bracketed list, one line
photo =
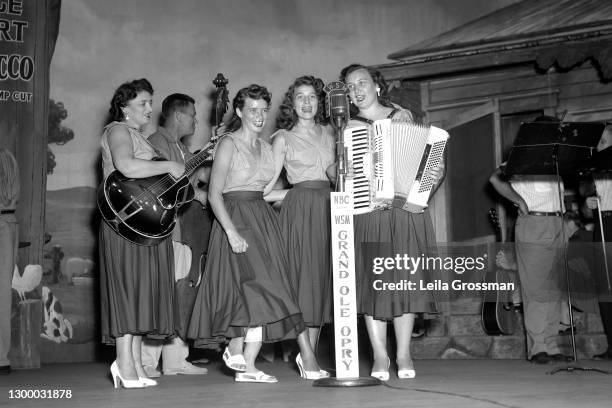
[(387, 233), (136, 287), (245, 290), (305, 222)]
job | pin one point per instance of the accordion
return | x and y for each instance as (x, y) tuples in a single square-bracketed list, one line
[(391, 162)]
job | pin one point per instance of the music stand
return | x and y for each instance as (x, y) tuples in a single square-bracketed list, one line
[(556, 148)]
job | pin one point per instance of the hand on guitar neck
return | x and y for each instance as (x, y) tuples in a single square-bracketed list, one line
[(176, 169), (505, 260)]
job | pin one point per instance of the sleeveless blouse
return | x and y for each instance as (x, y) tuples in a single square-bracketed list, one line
[(142, 148), (307, 158), (248, 172)]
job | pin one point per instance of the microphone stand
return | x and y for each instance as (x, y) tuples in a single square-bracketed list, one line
[(339, 124), (345, 307)]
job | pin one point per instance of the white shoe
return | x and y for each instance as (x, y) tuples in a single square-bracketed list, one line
[(258, 377), (147, 382), (235, 362), (186, 369), (382, 375), (309, 375), (119, 381)]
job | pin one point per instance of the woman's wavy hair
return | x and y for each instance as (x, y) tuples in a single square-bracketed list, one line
[(252, 91), (287, 117), (125, 93), (378, 79)]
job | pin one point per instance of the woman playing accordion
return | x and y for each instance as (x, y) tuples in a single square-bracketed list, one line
[(387, 233)]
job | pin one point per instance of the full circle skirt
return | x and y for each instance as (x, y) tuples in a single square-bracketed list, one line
[(305, 223), (386, 234), (136, 287), (251, 289)]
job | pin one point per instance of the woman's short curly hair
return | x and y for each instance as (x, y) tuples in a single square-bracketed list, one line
[(378, 79), (252, 91), (125, 93), (287, 117)]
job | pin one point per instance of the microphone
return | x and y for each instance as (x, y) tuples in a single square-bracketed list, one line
[(338, 112), (337, 104)]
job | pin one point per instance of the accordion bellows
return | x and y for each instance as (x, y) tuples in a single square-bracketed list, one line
[(391, 162)]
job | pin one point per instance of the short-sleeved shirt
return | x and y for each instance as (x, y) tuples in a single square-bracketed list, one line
[(248, 172), (308, 158), (540, 192), (170, 149), (603, 184), (142, 148)]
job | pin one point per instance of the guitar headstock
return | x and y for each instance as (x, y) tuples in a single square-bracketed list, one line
[(212, 143), (494, 219)]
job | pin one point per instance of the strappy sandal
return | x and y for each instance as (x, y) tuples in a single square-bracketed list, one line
[(236, 362), (257, 377)]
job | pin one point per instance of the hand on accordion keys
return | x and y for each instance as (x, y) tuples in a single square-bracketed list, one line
[(437, 173)]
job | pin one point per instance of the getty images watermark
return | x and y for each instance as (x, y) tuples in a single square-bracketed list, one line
[(440, 271)]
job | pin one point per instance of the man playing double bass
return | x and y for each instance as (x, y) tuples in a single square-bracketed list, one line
[(189, 237)]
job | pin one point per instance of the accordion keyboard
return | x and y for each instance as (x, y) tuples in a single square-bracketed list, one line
[(357, 143)]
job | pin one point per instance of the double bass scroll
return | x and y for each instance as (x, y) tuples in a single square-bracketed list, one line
[(221, 100)]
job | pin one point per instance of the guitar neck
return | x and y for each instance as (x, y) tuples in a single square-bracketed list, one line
[(197, 160)]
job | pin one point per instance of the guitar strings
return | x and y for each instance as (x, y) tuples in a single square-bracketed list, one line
[(163, 182)]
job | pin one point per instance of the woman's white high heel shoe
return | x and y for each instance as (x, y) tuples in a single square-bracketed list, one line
[(406, 373), (382, 375), (309, 375), (147, 382), (118, 380)]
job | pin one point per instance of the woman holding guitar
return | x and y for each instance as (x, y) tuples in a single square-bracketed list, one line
[(136, 282)]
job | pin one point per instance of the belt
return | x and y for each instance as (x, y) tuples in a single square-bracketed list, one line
[(7, 211), (546, 214), (606, 213), (315, 184)]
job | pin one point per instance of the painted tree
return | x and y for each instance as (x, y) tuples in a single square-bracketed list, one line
[(58, 134)]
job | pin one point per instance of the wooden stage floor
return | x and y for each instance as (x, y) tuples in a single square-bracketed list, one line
[(439, 383)]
